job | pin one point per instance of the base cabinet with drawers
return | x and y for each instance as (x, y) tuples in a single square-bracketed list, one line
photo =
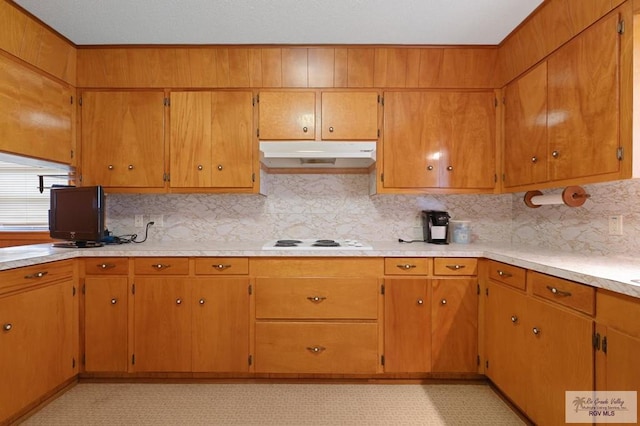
[(38, 334), (539, 335), (317, 315), (431, 315)]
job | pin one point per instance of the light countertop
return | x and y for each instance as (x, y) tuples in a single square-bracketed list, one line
[(616, 273)]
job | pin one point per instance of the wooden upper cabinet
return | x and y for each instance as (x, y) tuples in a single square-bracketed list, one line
[(583, 104), (350, 115), (287, 115), (439, 140), (123, 139), (211, 140), (36, 114), (525, 129)]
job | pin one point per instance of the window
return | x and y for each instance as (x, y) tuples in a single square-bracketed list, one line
[(22, 206)]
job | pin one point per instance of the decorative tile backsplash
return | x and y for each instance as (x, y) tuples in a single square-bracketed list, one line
[(338, 206)]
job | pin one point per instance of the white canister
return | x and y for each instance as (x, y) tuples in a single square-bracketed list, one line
[(460, 231)]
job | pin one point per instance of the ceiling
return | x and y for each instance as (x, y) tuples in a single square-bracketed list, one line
[(417, 22)]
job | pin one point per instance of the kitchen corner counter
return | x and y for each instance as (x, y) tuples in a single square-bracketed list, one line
[(615, 273)]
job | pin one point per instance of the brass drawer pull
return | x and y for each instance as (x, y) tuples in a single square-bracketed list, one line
[(504, 274), (558, 292), (7, 327), (316, 349), (160, 266), (406, 266), (536, 331), (514, 319), (106, 265), (316, 299), (455, 267), (220, 267), (36, 276)]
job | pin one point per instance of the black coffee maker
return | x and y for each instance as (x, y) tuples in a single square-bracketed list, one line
[(435, 226)]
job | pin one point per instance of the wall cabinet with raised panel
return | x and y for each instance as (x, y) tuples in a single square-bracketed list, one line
[(212, 144), (438, 140), (122, 139)]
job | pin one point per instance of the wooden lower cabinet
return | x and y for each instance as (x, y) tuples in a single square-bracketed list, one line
[(37, 344), (407, 325), (536, 351), (454, 325), (106, 323), (185, 324), (316, 347)]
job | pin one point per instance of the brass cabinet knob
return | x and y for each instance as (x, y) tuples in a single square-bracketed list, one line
[(514, 319), (450, 168), (555, 154), (130, 167), (178, 301), (536, 330), (305, 129), (200, 167), (110, 167), (429, 167), (443, 302), (7, 327), (201, 301), (420, 302), (219, 166), (534, 159), (114, 301), (331, 129)]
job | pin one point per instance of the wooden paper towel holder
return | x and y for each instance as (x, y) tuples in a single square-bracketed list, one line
[(572, 196)]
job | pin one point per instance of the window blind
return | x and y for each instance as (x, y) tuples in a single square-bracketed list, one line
[(22, 206)]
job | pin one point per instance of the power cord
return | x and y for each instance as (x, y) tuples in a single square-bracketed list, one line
[(400, 240), (131, 238)]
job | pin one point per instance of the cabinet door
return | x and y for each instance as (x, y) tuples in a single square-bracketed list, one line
[(37, 340), (190, 147), (220, 325), (454, 326), (105, 324), (505, 342), (410, 150), (123, 139), (617, 366), (162, 331), (525, 129), (232, 143), (584, 104), (560, 358), (407, 326), (287, 115), (466, 132), (350, 115), (35, 114)]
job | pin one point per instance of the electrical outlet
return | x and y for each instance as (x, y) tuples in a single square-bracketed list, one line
[(139, 221), (615, 225), (157, 219)]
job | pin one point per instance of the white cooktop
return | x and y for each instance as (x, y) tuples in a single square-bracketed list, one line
[(308, 244)]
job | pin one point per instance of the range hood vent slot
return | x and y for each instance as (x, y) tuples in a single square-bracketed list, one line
[(333, 154)]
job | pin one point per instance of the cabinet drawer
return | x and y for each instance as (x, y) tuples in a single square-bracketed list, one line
[(161, 265), (316, 298), (568, 293), (455, 266), (507, 274), (407, 265), (107, 266), (13, 279), (222, 266), (299, 347)]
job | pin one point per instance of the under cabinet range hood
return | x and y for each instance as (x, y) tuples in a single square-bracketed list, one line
[(313, 154)]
